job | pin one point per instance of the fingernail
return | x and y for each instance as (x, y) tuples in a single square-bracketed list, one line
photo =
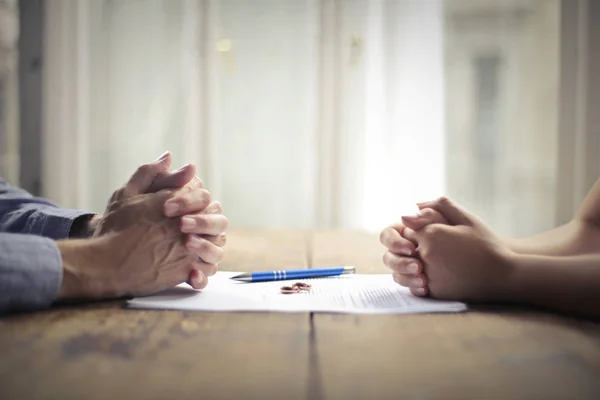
[(418, 281), (182, 168), (163, 156), (199, 278), (419, 291), (415, 215), (187, 224), (406, 251), (171, 208), (413, 268)]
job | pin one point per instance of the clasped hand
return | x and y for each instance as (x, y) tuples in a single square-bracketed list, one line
[(160, 229), (447, 253)]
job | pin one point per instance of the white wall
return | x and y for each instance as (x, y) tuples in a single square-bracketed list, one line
[(9, 106), (309, 113)]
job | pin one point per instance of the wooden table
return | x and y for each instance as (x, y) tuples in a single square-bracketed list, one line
[(103, 351)]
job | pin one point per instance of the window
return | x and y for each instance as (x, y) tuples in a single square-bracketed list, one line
[(309, 113)]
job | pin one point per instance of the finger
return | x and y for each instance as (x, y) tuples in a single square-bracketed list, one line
[(208, 252), (402, 265), (420, 292), (213, 208), (410, 281), (411, 235), (179, 274), (424, 217), (143, 177), (186, 202), (197, 279), (392, 239), (205, 268), (211, 269), (219, 240), (176, 179), (204, 224), (454, 213)]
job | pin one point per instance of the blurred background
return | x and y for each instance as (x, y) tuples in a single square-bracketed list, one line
[(306, 113)]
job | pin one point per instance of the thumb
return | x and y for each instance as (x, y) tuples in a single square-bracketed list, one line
[(425, 216), (454, 213), (175, 180), (142, 179)]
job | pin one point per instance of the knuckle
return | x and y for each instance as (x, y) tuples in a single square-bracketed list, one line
[(218, 207), (204, 196), (386, 258), (386, 238), (390, 239), (217, 255), (210, 252), (404, 262), (444, 201), (382, 236), (182, 199), (432, 231), (391, 260), (401, 246), (434, 216), (189, 188), (429, 213), (424, 252), (205, 246), (144, 168), (198, 182), (119, 194), (203, 222), (167, 192)]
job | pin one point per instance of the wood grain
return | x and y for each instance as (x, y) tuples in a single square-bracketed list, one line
[(487, 353), (103, 351)]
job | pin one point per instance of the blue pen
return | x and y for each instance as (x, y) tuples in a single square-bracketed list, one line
[(282, 274)]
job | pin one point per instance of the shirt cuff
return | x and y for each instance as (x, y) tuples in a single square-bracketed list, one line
[(55, 223), (30, 272)]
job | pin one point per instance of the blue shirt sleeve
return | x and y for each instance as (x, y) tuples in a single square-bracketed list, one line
[(30, 272), (30, 261), (20, 212)]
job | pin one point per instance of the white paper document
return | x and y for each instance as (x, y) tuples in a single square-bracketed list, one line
[(357, 293)]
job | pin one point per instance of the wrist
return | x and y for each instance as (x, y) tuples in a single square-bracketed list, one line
[(513, 245), (515, 283), (92, 225), (84, 226), (82, 261)]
